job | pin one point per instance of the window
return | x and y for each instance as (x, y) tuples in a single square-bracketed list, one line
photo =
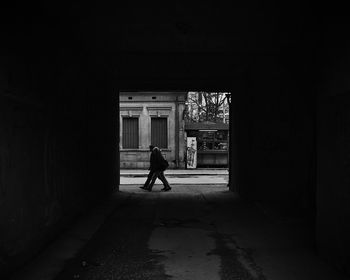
[(159, 132), (130, 133)]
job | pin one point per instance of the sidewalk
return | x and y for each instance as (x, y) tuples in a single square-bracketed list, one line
[(177, 177), (170, 172)]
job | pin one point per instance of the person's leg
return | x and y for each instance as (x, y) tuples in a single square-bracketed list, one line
[(153, 179), (164, 181), (149, 178)]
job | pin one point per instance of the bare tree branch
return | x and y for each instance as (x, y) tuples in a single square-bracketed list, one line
[(208, 106)]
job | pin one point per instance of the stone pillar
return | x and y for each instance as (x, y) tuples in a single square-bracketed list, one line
[(177, 132)]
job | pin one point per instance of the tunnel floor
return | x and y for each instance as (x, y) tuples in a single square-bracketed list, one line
[(195, 232)]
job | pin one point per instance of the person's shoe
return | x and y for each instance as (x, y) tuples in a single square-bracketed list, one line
[(166, 189), (145, 188)]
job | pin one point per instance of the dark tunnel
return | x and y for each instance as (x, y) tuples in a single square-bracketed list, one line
[(62, 66)]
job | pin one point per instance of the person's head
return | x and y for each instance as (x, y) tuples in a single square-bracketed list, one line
[(151, 147)]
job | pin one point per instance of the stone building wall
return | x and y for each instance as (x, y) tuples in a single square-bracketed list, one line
[(144, 106)]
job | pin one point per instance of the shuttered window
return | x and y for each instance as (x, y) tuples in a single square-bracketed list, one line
[(159, 127), (130, 133)]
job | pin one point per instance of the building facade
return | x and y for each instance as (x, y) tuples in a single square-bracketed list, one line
[(151, 118)]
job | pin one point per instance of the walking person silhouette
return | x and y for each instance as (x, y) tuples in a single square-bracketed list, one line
[(156, 170)]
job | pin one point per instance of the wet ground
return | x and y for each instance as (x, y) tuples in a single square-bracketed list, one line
[(192, 232), (171, 235)]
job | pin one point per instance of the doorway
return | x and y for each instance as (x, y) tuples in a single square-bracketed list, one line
[(169, 119)]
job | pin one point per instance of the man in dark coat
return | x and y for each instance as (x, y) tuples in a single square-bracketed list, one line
[(157, 166)]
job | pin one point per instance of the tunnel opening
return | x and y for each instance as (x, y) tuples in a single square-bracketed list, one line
[(191, 128)]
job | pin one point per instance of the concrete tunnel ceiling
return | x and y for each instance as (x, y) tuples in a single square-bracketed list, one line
[(177, 39)]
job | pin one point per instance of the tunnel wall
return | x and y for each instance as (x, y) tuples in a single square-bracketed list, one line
[(275, 135), (333, 147), (292, 129), (333, 209), (56, 144)]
